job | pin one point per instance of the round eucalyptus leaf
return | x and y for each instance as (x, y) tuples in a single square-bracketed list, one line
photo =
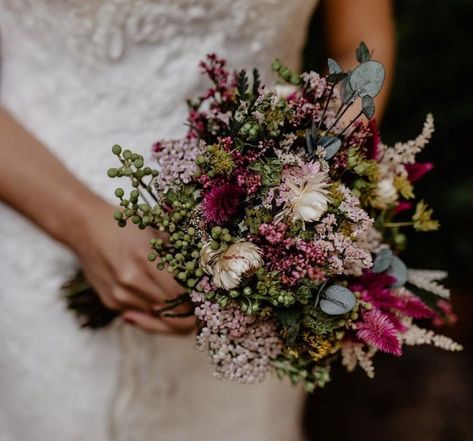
[(368, 106), (346, 91), (382, 261), (331, 144), (337, 300), (368, 78), (398, 270), (333, 66)]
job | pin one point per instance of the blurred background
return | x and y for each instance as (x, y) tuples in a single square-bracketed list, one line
[(427, 395)]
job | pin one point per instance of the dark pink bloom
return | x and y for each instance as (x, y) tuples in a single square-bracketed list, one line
[(403, 206), (377, 330), (373, 145), (375, 288), (416, 308), (416, 171), (221, 203), (448, 317)]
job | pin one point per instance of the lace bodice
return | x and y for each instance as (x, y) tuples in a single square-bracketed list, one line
[(82, 75)]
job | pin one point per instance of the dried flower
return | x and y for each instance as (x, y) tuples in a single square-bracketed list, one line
[(309, 200), (228, 267)]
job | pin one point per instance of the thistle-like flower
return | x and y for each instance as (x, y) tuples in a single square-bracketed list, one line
[(308, 201), (228, 267)]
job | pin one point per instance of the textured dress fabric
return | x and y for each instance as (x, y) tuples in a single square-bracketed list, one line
[(81, 75)]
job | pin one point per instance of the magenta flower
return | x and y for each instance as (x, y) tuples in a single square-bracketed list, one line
[(416, 171), (221, 203), (377, 330), (403, 206), (374, 145)]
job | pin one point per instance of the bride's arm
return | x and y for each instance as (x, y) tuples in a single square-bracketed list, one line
[(350, 21), (35, 183)]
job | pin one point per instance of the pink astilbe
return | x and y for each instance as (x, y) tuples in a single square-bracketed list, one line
[(376, 329), (221, 203), (241, 347)]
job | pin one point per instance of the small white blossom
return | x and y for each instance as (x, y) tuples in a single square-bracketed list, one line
[(386, 193)]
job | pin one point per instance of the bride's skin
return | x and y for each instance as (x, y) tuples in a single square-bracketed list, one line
[(34, 182)]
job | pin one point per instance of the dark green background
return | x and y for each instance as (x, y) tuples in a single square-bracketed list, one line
[(427, 394)]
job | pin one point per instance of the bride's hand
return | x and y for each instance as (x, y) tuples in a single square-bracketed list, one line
[(114, 261)]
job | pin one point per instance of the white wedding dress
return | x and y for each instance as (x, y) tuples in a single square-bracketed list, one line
[(82, 75)]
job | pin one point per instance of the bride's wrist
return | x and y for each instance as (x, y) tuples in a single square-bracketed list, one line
[(82, 219)]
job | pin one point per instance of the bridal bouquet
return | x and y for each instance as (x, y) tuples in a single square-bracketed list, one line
[(283, 220)]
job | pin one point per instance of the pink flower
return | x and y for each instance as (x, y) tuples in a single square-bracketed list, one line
[(416, 171), (403, 206), (373, 146), (416, 308), (377, 330), (221, 203)]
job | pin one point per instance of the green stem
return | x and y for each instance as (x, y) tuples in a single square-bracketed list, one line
[(398, 224)]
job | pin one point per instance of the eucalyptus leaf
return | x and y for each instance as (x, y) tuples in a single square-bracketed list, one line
[(398, 270), (335, 78), (368, 106), (331, 144), (337, 300), (382, 261), (363, 53), (367, 78), (333, 66), (309, 143), (346, 91), (313, 130)]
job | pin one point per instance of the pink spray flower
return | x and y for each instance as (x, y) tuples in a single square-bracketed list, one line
[(373, 146), (403, 206), (416, 171), (377, 330)]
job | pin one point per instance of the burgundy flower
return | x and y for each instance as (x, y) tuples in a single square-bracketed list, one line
[(416, 171), (221, 203), (373, 146), (377, 330)]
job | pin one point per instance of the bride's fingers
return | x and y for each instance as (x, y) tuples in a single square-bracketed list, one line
[(125, 299), (159, 325)]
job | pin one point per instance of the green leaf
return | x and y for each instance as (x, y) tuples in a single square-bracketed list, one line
[(331, 144), (368, 106), (333, 66), (398, 270), (242, 86), (363, 53), (368, 78), (382, 261), (337, 300)]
